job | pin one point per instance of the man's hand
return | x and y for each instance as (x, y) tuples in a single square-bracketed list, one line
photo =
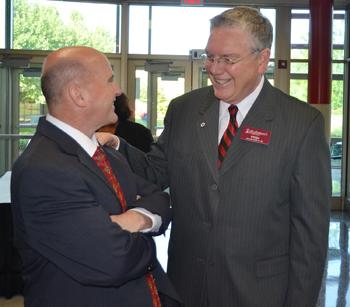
[(109, 139), (132, 221)]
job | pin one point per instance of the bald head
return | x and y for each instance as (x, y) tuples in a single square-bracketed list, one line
[(62, 67), (79, 88)]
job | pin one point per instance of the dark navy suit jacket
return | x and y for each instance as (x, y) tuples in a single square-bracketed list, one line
[(73, 255)]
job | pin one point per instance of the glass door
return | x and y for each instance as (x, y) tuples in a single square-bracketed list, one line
[(152, 89), (23, 106)]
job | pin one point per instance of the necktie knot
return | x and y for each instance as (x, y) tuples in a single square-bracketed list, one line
[(233, 110), (99, 155)]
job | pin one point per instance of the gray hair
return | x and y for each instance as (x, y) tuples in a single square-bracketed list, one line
[(248, 19)]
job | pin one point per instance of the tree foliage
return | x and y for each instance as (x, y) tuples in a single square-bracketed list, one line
[(40, 27)]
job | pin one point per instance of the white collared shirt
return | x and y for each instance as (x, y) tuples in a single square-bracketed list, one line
[(243, 109), (90, 146)]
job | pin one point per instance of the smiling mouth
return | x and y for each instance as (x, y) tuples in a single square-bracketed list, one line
[(221, 82)]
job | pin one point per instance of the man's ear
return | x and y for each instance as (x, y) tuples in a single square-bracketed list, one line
[(76, 94), (264, 58)]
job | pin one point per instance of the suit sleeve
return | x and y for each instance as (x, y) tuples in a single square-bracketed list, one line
[(310, 211), (154, 165), (151, 196), (64, 223)]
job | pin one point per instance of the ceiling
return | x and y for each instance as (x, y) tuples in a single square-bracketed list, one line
[(293, 3), (339, 4)]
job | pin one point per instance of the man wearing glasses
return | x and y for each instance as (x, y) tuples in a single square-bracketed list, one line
[(249, 176)]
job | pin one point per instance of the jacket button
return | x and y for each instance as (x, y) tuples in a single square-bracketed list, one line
[(214, 187)]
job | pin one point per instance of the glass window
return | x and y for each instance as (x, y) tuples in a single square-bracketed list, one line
[(2, 23), (338, 37), (299, 34), (168, 33), (169, 86), (298, 88), (299, 68), (154, 91), (271, 15), (31, 105), (141, 97), (337, 99), (338, 27), (300, 31), (298, 53), (48, 25), (138, 29)]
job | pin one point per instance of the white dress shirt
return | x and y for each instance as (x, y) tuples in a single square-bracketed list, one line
[(243, 108), (90, 146)]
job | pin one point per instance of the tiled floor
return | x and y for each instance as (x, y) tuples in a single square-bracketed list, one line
[(335, 288)]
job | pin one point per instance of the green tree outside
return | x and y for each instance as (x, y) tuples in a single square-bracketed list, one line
[(39, 27)]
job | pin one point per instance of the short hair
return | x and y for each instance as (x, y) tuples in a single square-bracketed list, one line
[(55, 78), (248, 19), (121, 107)]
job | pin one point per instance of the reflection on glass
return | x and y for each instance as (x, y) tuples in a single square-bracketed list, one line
[(336, 134), (334, 231), (54, 24)]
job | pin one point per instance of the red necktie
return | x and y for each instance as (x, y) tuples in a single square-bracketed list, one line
[(103, 163), (229, 133)]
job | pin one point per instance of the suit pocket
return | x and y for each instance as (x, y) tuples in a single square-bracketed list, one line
[(272, 266)]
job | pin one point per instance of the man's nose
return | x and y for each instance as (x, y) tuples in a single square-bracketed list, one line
[(216, 66)]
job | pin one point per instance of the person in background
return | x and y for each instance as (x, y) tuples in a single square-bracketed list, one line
[(134, 133), (249, 174), (83, 222)]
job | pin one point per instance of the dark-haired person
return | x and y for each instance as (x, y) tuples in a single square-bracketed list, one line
[(134, 133)]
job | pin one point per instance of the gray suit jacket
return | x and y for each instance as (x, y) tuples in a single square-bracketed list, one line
[(255, 232)]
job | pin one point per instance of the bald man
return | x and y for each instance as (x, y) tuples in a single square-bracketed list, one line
[(83, 221)]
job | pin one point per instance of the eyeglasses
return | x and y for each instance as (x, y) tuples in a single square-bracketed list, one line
[(227, 60)]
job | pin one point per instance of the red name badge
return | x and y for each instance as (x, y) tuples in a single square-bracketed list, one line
[(255, 135)]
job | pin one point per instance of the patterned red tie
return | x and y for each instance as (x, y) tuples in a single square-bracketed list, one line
[(103, 163), (229, 133)]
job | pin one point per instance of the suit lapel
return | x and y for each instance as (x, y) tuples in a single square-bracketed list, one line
[(207, 130), (260, 116), (71, 147)]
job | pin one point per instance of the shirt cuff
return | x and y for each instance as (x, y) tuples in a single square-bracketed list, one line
[(156, 219)]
